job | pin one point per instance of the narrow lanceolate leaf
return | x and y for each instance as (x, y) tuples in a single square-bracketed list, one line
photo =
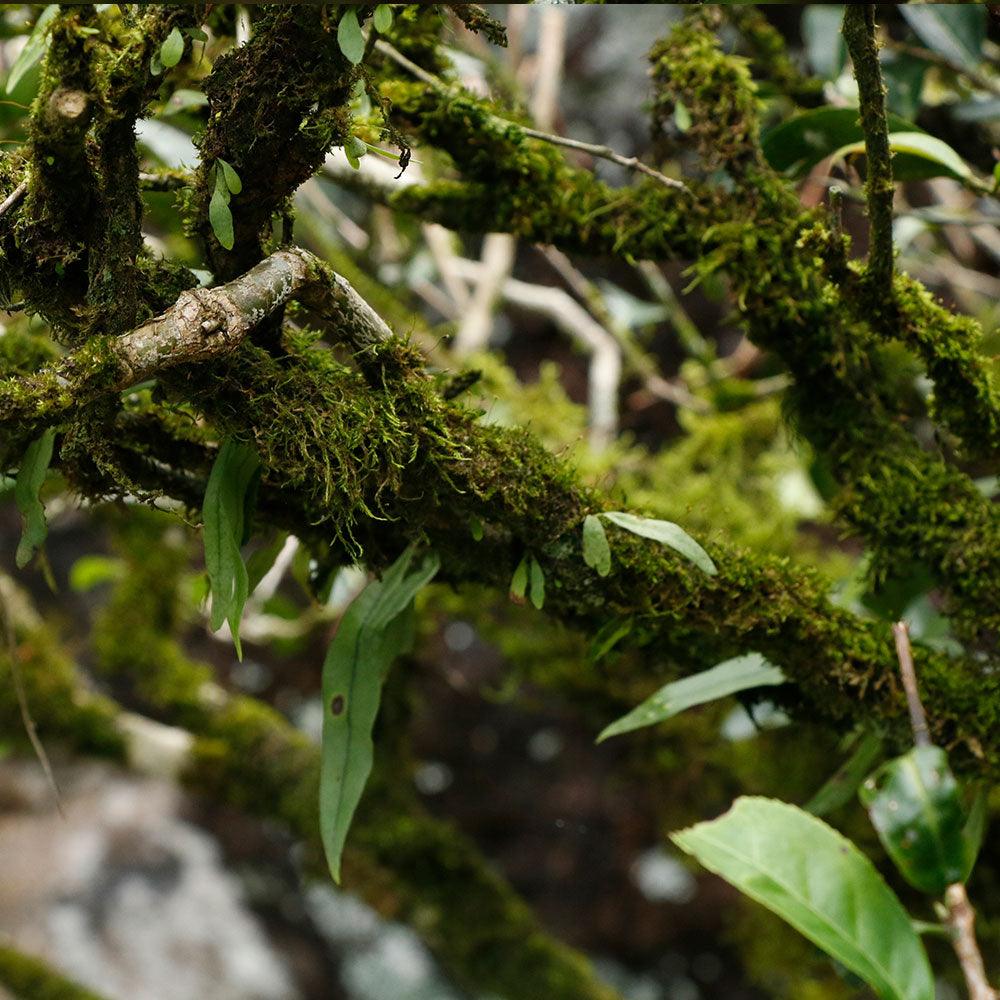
[(841, 787), (939, 157), (739, 674), (349, 37), (172, 49), (537, 584), (666, 532), (221, 218), (914, 805), (596, 551), (30, 477), (974, 830), (519, 581), (820, 883), (377, 627), (223, 511), (33, 49), (382, 18)]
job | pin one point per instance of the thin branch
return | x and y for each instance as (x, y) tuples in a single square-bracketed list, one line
[(13, 199), (601, 152), (962, 921), (859, 32), (918, 720)]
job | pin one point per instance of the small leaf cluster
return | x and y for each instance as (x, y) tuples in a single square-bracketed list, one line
[(597, 551), (220, 216)]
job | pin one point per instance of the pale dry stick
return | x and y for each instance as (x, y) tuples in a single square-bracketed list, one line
[(601, 152), (961, 916), (13, 199)]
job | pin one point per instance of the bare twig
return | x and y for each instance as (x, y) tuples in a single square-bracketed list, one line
[(859, 32), (13, 199), (601, 152), (918, 721), (962, 921)]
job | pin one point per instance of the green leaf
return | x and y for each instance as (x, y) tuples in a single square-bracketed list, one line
[(475, 528), (608, 636), (840, 788), (682, 117), (821, 884), (30, 476), (728, 677), (382, 18), (377, 627), (537, 583), (904, 81), (596, 551), (221, 217), (973, 831), (519, 581), (943, 160), (34, 47), (667, 533), (914, 805), (172, 49), (794, 147), (197, 34), (232, 179), (825, 45), (955, 31), (349, 37), (354, 147), (261, 560), (223, 512), (89, 572)]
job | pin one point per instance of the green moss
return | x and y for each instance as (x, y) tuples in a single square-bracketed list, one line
[(32, 978)]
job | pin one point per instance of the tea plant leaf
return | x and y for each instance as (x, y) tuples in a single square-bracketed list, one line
[(667, 533), (223, 511), (30, 476), (596, 551), (738, 674), (349, 37), (820, 883), (172, 49), (34, 47), (939, 155), (377, 627)]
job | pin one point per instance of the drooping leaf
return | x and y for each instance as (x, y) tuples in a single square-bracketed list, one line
[(820, 883), (519, 581), (536, 584), (34, 47), (382, 18), (220, 216), (596, 551), (825, 45), (738, 674), (377, 627), (666, 532), (974, 830), (955, 31), (30, 476), (940, 159), (914, 805), (233, 183), (349, 37), (841, 787), (794, 147), (172, 48), (223, 511)]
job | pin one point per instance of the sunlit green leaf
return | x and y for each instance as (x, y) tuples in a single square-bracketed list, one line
[(382, 18), (665, 532), (349, 37), (33, 49), (946, 162), (223, 511), (172, 48), (377, 627), (738, 674), (821, 884), (30, 476), (915, 808), (596, 551)]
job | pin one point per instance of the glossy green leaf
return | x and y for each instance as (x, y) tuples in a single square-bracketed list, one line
[(824, 42), (30, 476), (349, 37), (223, 511), (519, 581), (667, 533), (377, 627), (233, 183), (738, 674), (794, 147), (172, 49), (942, 159), (220, 216), (914, 805), (820, 883), (596, 551), (841, 787), (382, 18), (536, 583), (34, 47), (955, 31)]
